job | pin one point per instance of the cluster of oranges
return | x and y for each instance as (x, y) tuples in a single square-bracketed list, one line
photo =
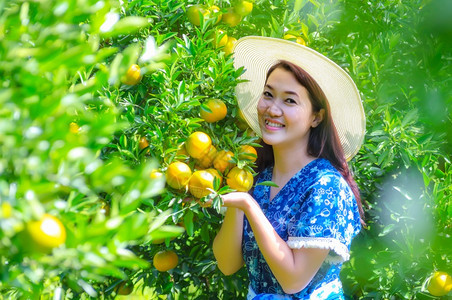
[(210, 166), (231, 17), (199, 169)]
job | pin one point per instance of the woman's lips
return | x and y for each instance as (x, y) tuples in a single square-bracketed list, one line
[(273, 124)]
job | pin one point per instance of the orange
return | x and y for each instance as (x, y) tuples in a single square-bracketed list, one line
[(223, 40), (133, 75), (165, 260), (243, 8), (198, 144), (229, 45), (240, 121), (200, 182), (298, 39), (218, 111), (6, 210), (181, 153), (248, 152), (47, 233), (215, 11), (216, 174), (155, 174), (207, 160), (240, 180), (124, 288), (74, 128), (223, 161), (197, 12), (440, 284), (231, 18), (178, 174), (143, 143)]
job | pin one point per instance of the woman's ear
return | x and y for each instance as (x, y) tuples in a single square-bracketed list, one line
[(318, 118)]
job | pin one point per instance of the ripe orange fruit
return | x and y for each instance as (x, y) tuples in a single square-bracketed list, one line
[(440, 284), (200, 182), (181, 153), (133, 75), (197, 12), (178, 174), (229, 45), (165, 260), (124, 288), (218, 111), (298, 39), (231, 18), (248, 152), (207, 160), (243, 8), (143, 143), (216, 174), (240, 180), (47, 233), (198, 144), (223, 160)]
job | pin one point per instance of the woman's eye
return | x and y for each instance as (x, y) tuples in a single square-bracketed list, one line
[(267, 94), (290, 100)]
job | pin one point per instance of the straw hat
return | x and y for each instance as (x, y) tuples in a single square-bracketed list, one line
[(257, 54)]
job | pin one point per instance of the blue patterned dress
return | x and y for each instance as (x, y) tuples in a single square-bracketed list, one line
[(315, 209)]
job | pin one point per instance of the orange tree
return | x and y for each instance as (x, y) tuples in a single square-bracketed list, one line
[(69, 216), (133, 80)]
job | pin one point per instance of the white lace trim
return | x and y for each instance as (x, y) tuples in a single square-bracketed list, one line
[(339, 255)]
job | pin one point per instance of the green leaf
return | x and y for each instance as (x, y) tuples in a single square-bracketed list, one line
[(128, 25), (188, 222), (268, 183)]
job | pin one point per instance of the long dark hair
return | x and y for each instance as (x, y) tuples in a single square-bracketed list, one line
[(323, 140)]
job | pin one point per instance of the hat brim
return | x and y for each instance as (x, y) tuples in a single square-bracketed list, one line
[(257, 54)]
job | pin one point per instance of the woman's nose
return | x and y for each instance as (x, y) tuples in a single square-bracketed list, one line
[(273, 109)]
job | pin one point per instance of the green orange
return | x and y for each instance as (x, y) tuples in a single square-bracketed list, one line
[(243, 7), (231, 18)]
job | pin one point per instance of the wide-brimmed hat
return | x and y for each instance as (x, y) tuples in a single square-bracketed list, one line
[(257, 54)]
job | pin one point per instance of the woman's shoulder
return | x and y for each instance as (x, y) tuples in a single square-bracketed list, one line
[(321, 167)]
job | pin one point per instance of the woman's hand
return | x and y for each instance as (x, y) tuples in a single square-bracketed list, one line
[(238, 200)]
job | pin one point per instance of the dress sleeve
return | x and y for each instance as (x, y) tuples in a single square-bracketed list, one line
[(326, 217)]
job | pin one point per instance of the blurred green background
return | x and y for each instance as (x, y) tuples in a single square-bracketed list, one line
[(70, 133)]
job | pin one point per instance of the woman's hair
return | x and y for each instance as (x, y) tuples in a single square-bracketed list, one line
[(323, 140)]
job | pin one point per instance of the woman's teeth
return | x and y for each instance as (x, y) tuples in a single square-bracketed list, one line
[(272, 124)]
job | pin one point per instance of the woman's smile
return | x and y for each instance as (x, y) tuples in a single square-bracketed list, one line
[(285, 111)]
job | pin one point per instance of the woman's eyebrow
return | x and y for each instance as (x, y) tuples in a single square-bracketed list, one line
[(286, 92)]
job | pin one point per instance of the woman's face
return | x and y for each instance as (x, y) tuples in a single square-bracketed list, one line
[(285, 111)]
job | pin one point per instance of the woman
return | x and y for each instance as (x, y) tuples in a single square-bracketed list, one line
[(294, 238)]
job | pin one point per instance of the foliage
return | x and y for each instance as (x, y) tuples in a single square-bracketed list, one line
[(62, 63)]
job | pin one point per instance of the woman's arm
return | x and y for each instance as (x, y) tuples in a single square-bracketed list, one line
[(293, 268), (227, 245)]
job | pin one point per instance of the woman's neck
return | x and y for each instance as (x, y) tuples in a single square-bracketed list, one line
[(288, 162)]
